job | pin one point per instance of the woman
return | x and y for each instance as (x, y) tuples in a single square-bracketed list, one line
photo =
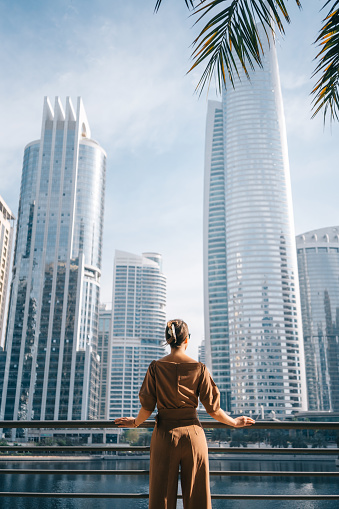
[(174, 384)]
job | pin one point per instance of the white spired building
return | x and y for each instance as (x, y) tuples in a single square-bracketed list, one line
[(252, 311), (51, 361), (139, 321), (6, 235)]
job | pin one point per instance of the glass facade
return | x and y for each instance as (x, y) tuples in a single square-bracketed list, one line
[(52, 331), (318, 263), (215, 277), (104, 350), (252, 310), (202, 352), (6, 241), (139, 321)]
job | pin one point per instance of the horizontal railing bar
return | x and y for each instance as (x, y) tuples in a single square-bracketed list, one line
[(273, 450), (98, 424), (233, 473), (51, 471), (268, 473), (26, 494), (277, 425), (70, 448), (145, 448)]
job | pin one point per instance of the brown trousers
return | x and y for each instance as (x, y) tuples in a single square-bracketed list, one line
[(179, 441)]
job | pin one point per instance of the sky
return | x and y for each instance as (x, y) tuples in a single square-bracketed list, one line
[(130, 67)]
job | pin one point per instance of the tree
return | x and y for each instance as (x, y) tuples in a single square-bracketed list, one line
[(238, 439), (231, 33), (278, 438), (319, 440), (131, 436), (220, 435)]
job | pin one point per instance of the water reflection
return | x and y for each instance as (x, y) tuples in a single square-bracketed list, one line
[(135, 484)]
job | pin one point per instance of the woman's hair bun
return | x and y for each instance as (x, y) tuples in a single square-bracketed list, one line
[(176, 332)]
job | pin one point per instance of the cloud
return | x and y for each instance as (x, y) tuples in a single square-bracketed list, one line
[(130, 68)]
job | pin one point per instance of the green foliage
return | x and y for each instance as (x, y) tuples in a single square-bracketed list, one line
[(130, 436), (318, 440), (298, 442), (231, 33), (189, 3), (238, 439), (144, 437), (326, 89), (278, 438), (258, 435), (220, 435)]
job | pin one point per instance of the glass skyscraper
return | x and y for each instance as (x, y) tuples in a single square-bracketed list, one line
[(252, 311), (318, 263), (51, 341), (139, 321), (104, 352), (6, 238)]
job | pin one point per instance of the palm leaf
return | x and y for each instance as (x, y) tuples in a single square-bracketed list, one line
[(189, 3), (233, 32), (326, 90)]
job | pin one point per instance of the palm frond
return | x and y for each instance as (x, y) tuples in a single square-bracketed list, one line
[(189, 4), (233, 32), (326, 90)]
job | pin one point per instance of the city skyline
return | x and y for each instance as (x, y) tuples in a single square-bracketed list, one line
[(153, 132), (51, 338)]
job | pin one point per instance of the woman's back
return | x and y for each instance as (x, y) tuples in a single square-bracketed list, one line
[(170, 384), (174, 383)]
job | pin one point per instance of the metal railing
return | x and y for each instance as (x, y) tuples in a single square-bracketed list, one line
[(108, 425)]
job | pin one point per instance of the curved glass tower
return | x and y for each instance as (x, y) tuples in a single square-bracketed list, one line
[(252, 311), (318, 263), (51, 366)]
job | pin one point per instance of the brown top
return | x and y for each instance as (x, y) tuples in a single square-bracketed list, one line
[(178, 385)]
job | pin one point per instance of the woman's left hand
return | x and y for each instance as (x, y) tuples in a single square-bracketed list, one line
[(242, 422), (125, 422)]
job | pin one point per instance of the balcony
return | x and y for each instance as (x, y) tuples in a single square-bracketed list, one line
[(216, 452)]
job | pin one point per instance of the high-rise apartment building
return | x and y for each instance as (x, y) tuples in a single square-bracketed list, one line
[(318, 263), (6, 236), (202, 352), (252, 311), (51, 340), (139, 321), (104, 352)]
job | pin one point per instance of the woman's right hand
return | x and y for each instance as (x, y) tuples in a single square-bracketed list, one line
[(242, 422), (125, 422)]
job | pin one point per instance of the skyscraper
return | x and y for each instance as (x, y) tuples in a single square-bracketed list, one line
[(104, 352), (318, 263), (6, 237), (51, 340), (252, 311), (202, 352), (139, 321)]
